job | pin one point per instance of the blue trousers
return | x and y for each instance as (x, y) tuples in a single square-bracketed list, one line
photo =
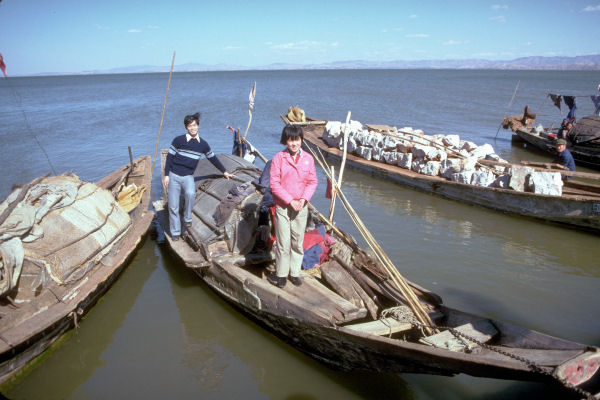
[(176, 185)]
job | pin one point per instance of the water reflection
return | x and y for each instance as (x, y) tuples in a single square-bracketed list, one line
[(227, 354), (66, 368), (445, 222)]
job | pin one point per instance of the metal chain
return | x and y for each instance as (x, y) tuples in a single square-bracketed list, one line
[(402, 313)]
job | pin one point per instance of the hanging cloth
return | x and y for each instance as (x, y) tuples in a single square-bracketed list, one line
[(570, 102), (596, 101), (556, 99)]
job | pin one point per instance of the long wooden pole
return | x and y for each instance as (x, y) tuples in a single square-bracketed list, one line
[(335, 184), (508, 108), (163, 111)]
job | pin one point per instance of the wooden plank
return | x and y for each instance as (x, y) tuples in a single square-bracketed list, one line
[(322, 295), (381, 327), (387, 326), (482, 331), (309, 121)]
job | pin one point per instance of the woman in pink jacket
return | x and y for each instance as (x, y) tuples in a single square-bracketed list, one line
[(293, 181)]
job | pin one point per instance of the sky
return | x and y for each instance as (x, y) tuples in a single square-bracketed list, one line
[(70, 36)]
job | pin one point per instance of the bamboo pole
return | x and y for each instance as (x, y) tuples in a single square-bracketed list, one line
[(163, 112), (439, 146), (337, 184), (332, 203), (399, 281)]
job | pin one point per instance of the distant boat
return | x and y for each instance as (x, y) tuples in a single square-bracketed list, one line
[(578, 206), (583, 141), (582, 136), (349, 313), (70, 257)]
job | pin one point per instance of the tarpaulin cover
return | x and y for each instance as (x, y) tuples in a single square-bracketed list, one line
[(65, 226)]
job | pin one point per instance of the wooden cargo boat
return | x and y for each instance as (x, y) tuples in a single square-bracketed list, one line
[(374, 332), (583, 141), (578, 206), (87, 241)]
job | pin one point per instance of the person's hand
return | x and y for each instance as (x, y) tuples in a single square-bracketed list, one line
[(227, 175), (166, 183), (298, 204)]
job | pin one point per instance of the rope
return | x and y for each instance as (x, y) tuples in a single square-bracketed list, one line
[(29, 130)]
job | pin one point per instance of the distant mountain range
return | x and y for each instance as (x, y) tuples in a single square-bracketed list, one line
[(589, 62)]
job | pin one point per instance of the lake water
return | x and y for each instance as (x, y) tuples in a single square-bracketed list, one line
[(161, 333)]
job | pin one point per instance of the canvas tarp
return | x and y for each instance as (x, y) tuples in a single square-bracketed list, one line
[(64, 226)]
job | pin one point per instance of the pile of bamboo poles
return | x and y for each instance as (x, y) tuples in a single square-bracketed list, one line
[(392, 271), (437, 145)]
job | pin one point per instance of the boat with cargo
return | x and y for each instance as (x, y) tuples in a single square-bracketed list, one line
[(576, 204), (63, 243)]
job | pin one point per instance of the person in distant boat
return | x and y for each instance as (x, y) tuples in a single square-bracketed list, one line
[(564, 156), (293, 181), (182, 159), (565, 128)]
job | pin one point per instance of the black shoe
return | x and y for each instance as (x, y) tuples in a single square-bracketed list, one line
[(295, 280), (175, 238), (277, 281), (187, 225)]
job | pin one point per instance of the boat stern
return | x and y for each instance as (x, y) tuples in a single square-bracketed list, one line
[(582, 372)]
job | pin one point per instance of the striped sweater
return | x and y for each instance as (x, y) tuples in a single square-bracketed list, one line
[(184, 155)]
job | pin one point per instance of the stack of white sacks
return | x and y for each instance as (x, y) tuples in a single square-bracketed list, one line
[(440, 155)]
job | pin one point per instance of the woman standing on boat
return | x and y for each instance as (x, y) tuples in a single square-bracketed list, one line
[(293, 181)]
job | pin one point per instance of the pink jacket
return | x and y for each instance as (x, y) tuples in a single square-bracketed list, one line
[(289, 180)]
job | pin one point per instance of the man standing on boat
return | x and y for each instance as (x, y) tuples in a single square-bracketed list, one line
[(182, 159), (564, 156)]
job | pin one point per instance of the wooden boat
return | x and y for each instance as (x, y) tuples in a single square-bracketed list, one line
[(374, 331), (583, 141), (86, 243), (578, 206)]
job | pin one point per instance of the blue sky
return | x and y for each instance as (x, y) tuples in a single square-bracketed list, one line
[(62, 36)]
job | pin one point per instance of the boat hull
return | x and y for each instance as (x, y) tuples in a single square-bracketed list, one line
[(321, 322), (25, 341), (344, 349)]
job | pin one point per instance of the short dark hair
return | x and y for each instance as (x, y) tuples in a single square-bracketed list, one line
[(291, 132), (190, 118)]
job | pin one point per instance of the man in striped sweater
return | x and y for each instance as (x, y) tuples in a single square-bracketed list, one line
[(184, 154)]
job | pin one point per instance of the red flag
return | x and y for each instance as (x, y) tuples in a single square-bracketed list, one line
[(328, 191), (2, 65)]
